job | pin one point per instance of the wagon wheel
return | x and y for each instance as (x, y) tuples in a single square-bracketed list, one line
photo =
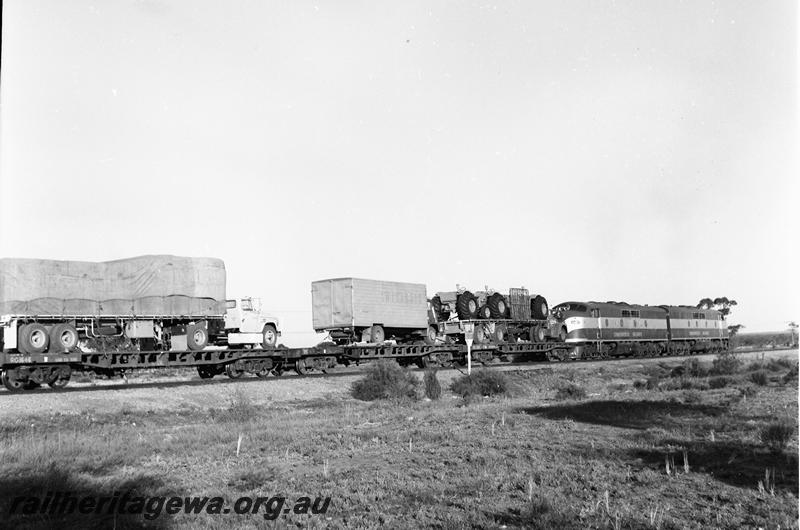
[(11, 380), (300, 367), (233, 371), (61, 378)]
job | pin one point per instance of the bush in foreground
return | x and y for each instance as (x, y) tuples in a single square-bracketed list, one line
[(776, 435), (719, 381), (570, 391), (385, 380), (433, 389), (759, 377), (480, 383), (726, 363)]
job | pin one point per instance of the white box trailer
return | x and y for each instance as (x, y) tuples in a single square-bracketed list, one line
[(355, 309)]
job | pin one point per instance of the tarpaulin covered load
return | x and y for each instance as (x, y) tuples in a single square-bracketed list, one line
[(141, 286)]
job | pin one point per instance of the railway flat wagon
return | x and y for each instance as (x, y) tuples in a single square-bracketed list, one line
[(360, 310)]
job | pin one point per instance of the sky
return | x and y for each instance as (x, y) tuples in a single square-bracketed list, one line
[(643, 151)]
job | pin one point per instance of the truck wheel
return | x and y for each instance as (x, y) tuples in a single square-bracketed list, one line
[(377, 335), (431, 334), (270, 336), (500, 334), (480, 336), (467, 306), (537, 334), (562, 334), (484, 312), (497, 305), (32, 338), (539, 307), (63, 338), (196, 337)]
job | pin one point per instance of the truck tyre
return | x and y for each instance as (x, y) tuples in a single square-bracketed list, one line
[(497, 305), (269, 335), (431, 334), (539, 308), (480, 336), (500, 334), (562, 334), (467, 306), (484, 312), (196, 337), (32, 338), (537, 334), (63, 338), (377, 335)]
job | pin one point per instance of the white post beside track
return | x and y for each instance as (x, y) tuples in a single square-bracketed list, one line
[(469, 335)]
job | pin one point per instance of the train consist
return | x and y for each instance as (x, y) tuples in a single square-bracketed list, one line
[(57, 317)]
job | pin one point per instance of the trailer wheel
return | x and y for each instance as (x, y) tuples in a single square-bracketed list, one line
[(63, 338), (33, 338), (500, 333), (539, 307), (537, 334), (562, 334), (480, 335), (269, 335), (431, 334), (11, 380), (467, 306), (196, 337), (497, 305), (484, 312), (377, 335)]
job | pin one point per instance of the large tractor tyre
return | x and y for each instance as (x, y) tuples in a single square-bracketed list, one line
[(497, 305), (562, 334), (33, 338), (467, 306), (196, 337), (539, 308), (63, 338), (484, 312), (441, 314), (269, 336)]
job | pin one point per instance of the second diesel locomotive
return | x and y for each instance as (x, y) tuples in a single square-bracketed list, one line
[(603, 329)]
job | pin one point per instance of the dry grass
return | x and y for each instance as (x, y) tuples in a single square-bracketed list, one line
[(619, 458)]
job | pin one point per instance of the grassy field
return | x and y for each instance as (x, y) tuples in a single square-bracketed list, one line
[(602, 445)]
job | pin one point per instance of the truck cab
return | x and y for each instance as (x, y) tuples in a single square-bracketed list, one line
[(246, 324)]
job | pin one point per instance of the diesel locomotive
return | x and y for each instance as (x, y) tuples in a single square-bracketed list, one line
[(607, 329)]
